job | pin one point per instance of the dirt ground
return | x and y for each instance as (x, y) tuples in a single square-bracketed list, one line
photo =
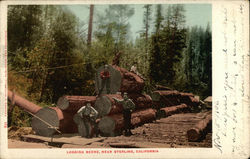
[(163, 133)]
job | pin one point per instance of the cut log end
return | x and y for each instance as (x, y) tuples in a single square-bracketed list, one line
[(200, 128), (107, 125), (193, 134), (45, 115), (63, 103), (103, 105)]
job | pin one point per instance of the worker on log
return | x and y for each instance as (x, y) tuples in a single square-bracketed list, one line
[(128, 106), (105, 80), (89, 115), (134, 70)]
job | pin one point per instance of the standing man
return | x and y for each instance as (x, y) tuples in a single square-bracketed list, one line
[(89, 116), (128, 107), (134, 70), (105, 78)]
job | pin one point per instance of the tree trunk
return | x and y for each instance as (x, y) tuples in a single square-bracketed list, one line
[(91, 12), (166, 98), (112, 124), (121, 80), (45, 122), (74, 103), (167, 111), (130, 82), (141, 100), (163, 98), (200, 129), (105, 105), (188, 98), (23, 103)]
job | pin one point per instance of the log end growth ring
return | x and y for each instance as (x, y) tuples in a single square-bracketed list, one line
[(103, 105), (49, 116), (63, 103), (106, 125), (115, 80), (193, 134)]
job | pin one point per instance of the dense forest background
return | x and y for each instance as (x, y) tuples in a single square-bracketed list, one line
[(50, 54)]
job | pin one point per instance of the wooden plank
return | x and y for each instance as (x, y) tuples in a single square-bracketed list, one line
[(75, 140)]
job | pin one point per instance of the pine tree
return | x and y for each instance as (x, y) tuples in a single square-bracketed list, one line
[(167, 45)]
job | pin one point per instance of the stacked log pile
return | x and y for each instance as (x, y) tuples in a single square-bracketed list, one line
[(63, 117), (130, 82), (112, 121), (167, 98), (69, 105)]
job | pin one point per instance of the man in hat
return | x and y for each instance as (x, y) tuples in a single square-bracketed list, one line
[(105, 80), (89, 116), (128, 107)]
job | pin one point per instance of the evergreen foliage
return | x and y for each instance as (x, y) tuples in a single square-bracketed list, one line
[(48, 55)]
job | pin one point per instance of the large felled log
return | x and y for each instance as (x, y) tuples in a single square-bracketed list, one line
[(105, 104), (130, 82), (23, 103), (167, 111), (55, 118), (166, 98), (160, 87), (208, 100), (189, 99), (67, 124), (121, 80), (74, 103), (200, 129), (141, 100), (81, 126), (45, 122), (110, 125)]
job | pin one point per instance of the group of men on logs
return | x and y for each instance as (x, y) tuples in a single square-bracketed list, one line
[(90, 115)]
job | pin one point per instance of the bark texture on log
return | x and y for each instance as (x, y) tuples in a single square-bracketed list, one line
[(111, 124), (141, 100), (167, 111), (23, 103), (67, 124), (130, 82), (74, 103), (200, 129), (163, 98), (160, 87), (166, 98)]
